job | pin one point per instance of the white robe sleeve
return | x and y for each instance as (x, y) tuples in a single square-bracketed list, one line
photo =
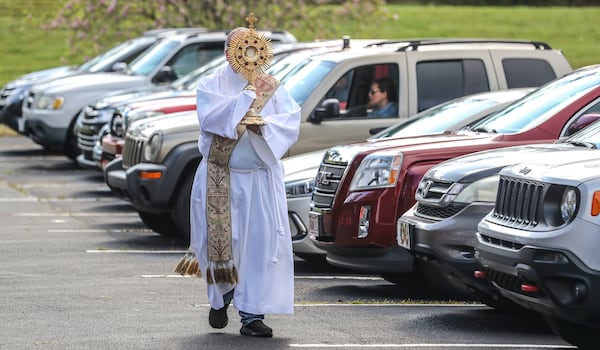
[(282, 128), (218, 113)]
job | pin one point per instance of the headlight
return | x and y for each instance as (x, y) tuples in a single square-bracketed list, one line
[(483, 190), (380, 169), (300, 188), (152, 147), (568, 204), (50, 102)]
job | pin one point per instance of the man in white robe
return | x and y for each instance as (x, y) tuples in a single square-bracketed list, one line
[(261, 244)]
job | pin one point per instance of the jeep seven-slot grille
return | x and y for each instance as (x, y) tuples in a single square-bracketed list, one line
[(132, 151), (519, 202), (327, 182)]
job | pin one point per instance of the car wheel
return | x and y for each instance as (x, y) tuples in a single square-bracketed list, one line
[(580, 335), (181, 215), (71, 148), (159, 223)]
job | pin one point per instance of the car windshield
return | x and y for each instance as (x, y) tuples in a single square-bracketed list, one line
[(303, 79), (540, 104), (149, 60), (442, 117), (97, 63)]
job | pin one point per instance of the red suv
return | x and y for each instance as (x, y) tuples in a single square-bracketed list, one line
[(363, 188)]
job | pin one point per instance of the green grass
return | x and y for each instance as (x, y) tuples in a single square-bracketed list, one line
[(24, 47)]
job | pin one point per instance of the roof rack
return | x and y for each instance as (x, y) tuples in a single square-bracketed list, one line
[(414, 44)]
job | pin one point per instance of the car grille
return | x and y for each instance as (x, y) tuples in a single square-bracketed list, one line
[(438, 212), (91, 124), (500, 242), (132, 151), (519, 202), (511, 283), (327, 182)]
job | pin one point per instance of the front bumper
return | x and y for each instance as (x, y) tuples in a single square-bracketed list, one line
[(298, 208), (449, 243), (552, 281)]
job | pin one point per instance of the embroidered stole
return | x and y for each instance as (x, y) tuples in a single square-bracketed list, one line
[(221, 267)]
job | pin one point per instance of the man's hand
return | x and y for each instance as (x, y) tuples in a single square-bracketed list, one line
[(254, 128)]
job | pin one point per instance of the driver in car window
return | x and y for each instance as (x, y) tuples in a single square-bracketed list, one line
[(382, 90)]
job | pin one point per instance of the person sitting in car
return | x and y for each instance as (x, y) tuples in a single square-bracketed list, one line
[(382, 90)]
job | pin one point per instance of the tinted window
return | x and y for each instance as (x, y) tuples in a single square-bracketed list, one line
[(441, 81), (527, 72)]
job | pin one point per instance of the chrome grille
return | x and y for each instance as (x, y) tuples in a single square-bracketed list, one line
[(519, 202), (327, 182), (132, 151)]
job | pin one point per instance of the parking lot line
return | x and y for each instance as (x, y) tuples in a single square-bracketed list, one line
[(434, 346)]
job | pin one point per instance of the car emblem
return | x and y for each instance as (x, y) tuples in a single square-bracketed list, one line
[(525, 171), (323, 177), (426, 186)]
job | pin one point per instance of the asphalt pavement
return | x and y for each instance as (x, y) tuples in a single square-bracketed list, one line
[(78, 270)]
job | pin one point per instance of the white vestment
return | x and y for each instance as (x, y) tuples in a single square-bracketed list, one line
[(262, 247)]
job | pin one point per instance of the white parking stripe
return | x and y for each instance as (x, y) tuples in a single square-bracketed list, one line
[(433, 346), (75, 214)]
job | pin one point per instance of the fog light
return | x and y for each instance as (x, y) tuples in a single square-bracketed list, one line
[(363, 221)]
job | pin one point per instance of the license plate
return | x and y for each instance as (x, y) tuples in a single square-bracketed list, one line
[(404, 234), (21, 124), (314, 223)]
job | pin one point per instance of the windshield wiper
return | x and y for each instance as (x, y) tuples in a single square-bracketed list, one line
[(583, 144)]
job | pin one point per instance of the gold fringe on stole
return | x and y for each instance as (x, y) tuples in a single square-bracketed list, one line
[(222, 272), (188, 266)]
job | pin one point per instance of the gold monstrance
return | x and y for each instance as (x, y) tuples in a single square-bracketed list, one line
[(249, 53)]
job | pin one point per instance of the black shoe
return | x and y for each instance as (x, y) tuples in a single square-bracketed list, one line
[(257, 329), (218, 318)]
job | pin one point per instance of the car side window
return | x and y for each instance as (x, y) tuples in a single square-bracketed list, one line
[(441, 81), (352, 89), (584, 118), (193, 56), (527, 72)]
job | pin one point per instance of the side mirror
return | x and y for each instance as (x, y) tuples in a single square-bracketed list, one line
[(119, 67), (330, 108), (374, 131), (164, 75)]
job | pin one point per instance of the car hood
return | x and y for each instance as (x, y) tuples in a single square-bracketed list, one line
[(91, 81), (474, 166), (168, 124), (302, 166), (345, 153), (155, 104), (119, 97), (37, 76), (571, 167)]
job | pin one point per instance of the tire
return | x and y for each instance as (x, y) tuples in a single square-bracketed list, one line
[(580, 335), (159, 223), (71, 148), (181, 214)]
